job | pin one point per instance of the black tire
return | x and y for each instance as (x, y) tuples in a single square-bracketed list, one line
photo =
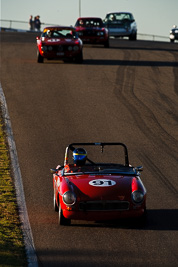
[(55, 205), (40, 59), (79, 58), (62, 219), (133, 37), (172, 40), (142, 221), (106, 45)]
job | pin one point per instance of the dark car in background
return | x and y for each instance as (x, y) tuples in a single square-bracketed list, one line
[(173, 34), (121, 24), (91, 30)]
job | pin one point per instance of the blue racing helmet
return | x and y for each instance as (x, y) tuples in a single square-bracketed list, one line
[(79, 156)]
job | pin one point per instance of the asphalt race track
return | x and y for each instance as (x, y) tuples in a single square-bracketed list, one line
[(127, 93)]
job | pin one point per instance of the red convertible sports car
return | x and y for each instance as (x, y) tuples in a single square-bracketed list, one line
[(59, 42), (92, 31), (95, 190)]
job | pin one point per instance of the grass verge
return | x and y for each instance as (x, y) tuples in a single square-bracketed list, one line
[(12, 250)]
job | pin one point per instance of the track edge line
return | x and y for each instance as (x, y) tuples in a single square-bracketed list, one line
[(20, 196)]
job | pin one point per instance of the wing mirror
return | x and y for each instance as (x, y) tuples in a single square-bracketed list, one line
[(139, 168), (59, 167), (53, 171)]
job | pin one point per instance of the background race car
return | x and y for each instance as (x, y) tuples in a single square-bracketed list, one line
[(92, 31), (121, 24), (173, 34), (59, 43)]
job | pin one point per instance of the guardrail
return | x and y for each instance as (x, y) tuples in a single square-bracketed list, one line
[(15, 25)]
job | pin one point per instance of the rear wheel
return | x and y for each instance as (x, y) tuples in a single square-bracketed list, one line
[(62, 219), (40, 59)]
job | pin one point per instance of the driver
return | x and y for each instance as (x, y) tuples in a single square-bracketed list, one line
[(81, 22), (112, 17), (79, 158), (49, 33)]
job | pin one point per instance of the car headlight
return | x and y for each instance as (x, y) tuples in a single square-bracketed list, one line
[(100, 33), (70, 48), (76, 48), (137, 196), (50, 48), (43, 48), (69, 198)]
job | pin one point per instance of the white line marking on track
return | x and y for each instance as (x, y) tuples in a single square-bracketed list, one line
[(26, 228)]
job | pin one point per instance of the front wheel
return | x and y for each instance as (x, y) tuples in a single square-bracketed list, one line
[(62, 219), (79, 58), (55, 205), (142, 221), (40, 59), (106, 44), (133, 37)]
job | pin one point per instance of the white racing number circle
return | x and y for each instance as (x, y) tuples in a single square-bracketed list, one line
[(102, 182)]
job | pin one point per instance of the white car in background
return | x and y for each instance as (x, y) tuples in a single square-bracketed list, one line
[(173, 34), (121, 24)]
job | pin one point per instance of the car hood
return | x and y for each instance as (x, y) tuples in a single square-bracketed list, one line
[(102, 186)]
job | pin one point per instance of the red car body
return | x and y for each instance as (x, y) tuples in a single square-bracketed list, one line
[(92, 31), (98, 191), (62, 43)]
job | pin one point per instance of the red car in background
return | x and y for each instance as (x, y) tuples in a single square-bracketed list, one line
[(92, 31), (59, 42), (100, 189)]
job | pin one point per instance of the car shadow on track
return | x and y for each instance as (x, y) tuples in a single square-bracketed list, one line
[(163, 220), (141, 63), (116, 44)]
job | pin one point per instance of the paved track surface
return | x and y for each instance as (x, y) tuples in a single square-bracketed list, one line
[(128, 93)]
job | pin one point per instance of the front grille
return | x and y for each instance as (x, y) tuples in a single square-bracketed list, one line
[(103, 205), (90, 33), (59, 48), (117, 26)]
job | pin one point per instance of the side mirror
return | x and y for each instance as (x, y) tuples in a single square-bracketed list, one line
[(53, 171), (139, 168), (59, 167)]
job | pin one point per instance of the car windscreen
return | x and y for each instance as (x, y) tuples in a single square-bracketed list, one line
[(59, 33), (122, 17), (99, 169), (89, 23)]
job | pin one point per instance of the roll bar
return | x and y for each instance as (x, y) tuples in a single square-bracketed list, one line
[(102, 145)]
